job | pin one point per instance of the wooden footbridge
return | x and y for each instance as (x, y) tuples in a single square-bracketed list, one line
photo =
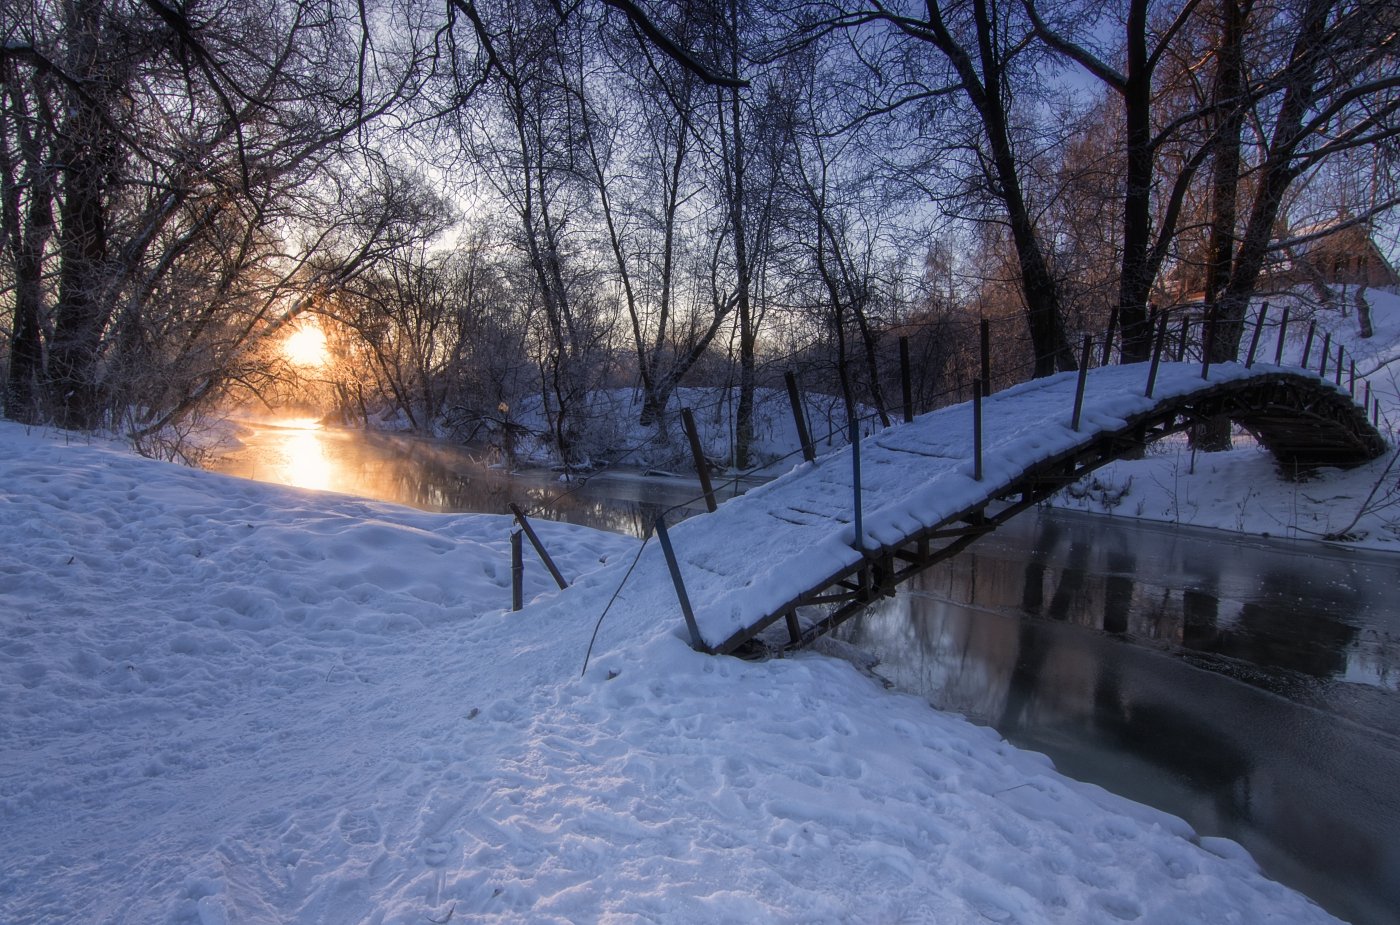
[(785, 560)]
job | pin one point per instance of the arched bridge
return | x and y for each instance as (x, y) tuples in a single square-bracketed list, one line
[(776, 555)]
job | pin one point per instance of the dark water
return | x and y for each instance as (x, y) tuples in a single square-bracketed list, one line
[(438, 476), (1252, 688)]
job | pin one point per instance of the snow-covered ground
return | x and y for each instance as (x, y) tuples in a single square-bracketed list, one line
[(223, 701)]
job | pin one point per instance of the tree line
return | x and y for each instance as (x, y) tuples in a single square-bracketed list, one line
[(495, 202)]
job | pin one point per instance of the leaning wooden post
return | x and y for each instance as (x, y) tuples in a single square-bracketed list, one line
[(986, 338), (906, 380), (1326, 349), (977, 429), (1351, 379), (517, 570), (702, 468), (809, 453), (1367, 403), (665, 538), (1083, 376), (524, 522), (1307, 343), (1108, 338), (1282, 330), (1185, 334), (1254, 341), (1159, 344), (1341, 354)]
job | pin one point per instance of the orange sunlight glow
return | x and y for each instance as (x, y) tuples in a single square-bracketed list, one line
[(307, 346)]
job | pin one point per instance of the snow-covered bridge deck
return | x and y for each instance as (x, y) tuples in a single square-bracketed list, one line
[(791, 544)]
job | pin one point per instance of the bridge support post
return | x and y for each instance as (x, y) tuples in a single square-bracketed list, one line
[(696, 642)]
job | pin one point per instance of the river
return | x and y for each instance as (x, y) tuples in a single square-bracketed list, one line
[(1250, 687)]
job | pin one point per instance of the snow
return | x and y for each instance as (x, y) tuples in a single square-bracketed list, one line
[(222, 701), (229, 702)]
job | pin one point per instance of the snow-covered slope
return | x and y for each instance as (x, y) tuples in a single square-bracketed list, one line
[(227, 702)]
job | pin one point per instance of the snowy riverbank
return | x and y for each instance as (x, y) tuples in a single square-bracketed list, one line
[(231, 702)]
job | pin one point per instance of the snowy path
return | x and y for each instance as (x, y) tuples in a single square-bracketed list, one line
[(229, 702)]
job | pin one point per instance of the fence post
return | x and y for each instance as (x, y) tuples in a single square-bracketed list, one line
[(986, 337), (1326, 349), (665, 538), (517, 570), (1083, 375), (1351, 380), (809, 453), (1258, 329), (1307, 343), (524, 522), (977, 429), (1282, 330), (1185, 334), (1341, 354), (702, 468)]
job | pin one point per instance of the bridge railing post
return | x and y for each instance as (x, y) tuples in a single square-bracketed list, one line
[(799, 418), (1326, 349), (906, 380), (1341, 360), (1108, 336), (853, 422), (1307, 344), (702, 466), (517, 570), (1207, 344), (1083, 376), (1258, 330), (1282, 330), (1159, 344), (985, 335), (524, 522), (1185, 336), (696, 642), (977, 429)]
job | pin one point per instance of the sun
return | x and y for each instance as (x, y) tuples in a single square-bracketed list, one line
[(306, 346)]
